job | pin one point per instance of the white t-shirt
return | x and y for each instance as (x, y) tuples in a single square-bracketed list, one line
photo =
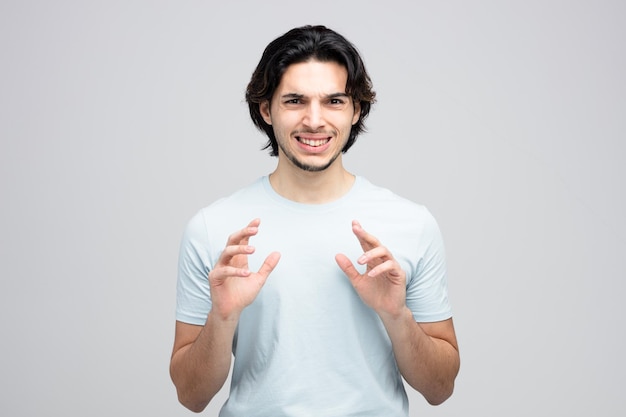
[(308, 345)]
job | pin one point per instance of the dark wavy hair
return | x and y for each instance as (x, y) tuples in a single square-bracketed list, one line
[(300, 45)]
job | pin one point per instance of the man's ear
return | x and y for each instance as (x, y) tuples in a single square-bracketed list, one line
[(264, 108), (357, 112)]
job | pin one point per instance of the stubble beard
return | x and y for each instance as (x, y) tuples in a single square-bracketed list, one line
[(308, 167)]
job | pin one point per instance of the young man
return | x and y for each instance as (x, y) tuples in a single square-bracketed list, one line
[(327, 289)]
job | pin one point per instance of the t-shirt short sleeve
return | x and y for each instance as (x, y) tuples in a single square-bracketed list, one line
[(427, 290), (193, 295)]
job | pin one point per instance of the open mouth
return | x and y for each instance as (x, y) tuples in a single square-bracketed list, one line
[(312, 142)]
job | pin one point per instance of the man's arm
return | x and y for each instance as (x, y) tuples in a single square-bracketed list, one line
[(426, 353), (202, 355), (201, 360)]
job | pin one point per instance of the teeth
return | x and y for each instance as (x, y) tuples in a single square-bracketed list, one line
[(313, 142)]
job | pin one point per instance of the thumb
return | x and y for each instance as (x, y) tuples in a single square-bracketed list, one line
[(269, 264), (347, 266)]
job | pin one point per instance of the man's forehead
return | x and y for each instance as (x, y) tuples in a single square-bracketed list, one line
[(314, 76)]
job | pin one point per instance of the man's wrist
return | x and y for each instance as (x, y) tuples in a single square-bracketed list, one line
[(402, 315), (224, 317)]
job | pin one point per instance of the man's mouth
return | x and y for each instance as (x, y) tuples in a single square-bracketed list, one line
[(312, 142)]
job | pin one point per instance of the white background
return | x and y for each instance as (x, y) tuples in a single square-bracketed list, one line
[(120, 119)]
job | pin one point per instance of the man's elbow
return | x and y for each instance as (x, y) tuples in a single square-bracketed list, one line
[(192, 405), (441, 395), (191, 399)]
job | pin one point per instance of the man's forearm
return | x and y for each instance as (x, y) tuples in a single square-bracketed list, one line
[(428, 363), (200, 368)]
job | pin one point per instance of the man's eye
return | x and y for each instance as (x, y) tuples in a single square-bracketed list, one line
[(336, 101), (293, 101)]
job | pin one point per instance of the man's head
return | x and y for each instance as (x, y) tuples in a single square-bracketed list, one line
[(301, 45)]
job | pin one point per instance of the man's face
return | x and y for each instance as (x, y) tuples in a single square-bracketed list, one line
[(311, 114)]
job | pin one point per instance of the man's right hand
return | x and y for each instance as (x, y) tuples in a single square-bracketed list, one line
[(233, 285)]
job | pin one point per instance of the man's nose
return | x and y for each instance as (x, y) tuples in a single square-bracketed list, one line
[(314, 117)]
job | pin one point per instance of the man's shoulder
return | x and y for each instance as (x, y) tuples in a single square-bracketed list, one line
[(236, 208), (383, 206), (250, 192), (386, 196)]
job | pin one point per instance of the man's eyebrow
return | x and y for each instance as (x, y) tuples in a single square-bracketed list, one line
[(290, 96), (337, 95)]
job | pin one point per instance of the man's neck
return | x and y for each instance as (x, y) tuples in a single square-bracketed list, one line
[(307, 187)]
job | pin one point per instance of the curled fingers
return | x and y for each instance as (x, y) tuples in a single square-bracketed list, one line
[(237, 243), (366, 240)]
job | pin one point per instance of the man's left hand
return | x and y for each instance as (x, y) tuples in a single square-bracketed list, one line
[(383, 285)]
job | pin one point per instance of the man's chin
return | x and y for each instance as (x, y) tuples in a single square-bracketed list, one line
[(312, 164), (311, 167)]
